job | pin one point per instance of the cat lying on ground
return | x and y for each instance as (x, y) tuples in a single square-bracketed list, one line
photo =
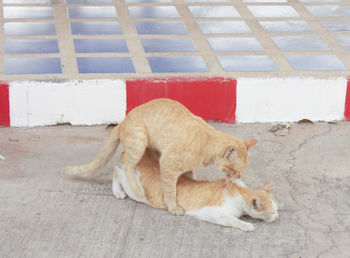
[(186, 142), (220, 202)]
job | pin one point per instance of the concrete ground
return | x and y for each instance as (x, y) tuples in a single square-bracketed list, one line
[(43, 214)]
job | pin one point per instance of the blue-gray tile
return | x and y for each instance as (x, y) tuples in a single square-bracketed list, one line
[(100, 45), (82, 12), (177, 64), (168, 45), (286, 26), (251, 63), (89, 1), (345, 42), (28, 12), (336, 26), (51, 65), (26, 1), (96, 28), (300, 43), (235, 44), (146, 1), (213, 11), (29, 28), (153, 12), (31, 46), (223, 27), (315, 63), (273, 11), (160, 27), (329, 11), (105, 65)]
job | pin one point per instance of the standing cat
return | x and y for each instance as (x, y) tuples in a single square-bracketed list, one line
[(220, 202), (186, 142)]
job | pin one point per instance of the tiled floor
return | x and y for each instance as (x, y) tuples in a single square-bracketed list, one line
[(41, 39)]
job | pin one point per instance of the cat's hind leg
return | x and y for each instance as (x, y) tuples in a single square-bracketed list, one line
[(116, 187), (135, 144)]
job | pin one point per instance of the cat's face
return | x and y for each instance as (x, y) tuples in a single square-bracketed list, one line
[(235, 158), (263, 205)]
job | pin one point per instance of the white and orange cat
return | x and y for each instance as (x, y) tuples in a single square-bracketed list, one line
[(186, 142), (220, 202)]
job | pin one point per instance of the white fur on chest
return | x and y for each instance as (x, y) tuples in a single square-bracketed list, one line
[(233, 206)]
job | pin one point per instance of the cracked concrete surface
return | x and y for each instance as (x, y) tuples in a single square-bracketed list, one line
[(43, 214)]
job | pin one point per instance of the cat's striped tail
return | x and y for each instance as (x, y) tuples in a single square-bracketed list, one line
[(101, 160)]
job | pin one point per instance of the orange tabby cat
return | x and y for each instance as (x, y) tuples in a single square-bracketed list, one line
[(220, 202), (186, 142)]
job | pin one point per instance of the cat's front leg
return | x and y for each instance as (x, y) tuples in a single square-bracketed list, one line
[(231, 221), (168, 182), (215, 216), (116, 187)]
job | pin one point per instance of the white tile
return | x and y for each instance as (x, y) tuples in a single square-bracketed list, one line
[(213, 11), (345, 42), (329, 11), (223, 27), (286, 26), (300, 43), (315, 63), (273, 11), (228, 44)]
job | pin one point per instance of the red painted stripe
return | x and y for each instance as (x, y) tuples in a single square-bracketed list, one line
[(347, 102), (209, 98), (4, 105)]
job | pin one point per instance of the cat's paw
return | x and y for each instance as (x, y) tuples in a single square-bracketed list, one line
[(247, 227), (120, 195), (177, 210)]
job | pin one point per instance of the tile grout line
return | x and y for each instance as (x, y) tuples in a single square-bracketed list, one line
[(323, 33), (132, 38), (65, 39), (200, 39)]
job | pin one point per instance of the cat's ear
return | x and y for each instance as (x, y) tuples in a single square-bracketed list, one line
[(266, 187), (256, 204), (250, 143), (231, 154)]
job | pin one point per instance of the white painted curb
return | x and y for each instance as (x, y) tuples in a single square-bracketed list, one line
[(93, 102), (87, 102), (290, 99)]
